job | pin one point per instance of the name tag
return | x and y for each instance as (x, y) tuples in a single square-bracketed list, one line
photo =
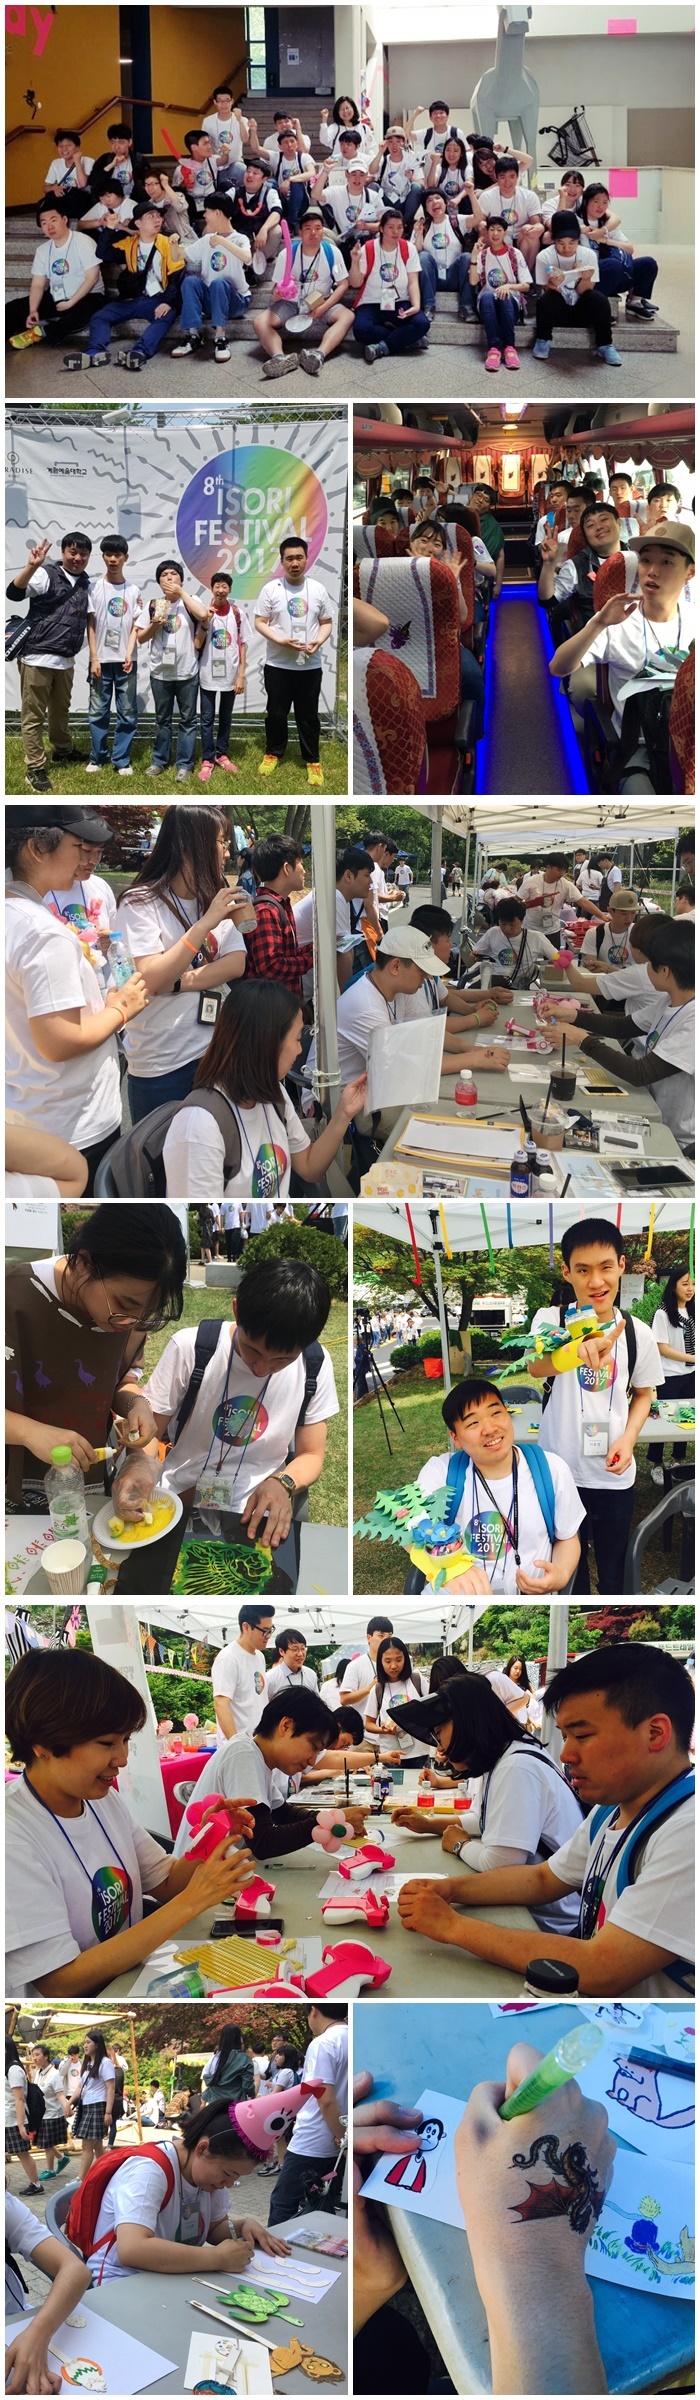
[(596, 1440)]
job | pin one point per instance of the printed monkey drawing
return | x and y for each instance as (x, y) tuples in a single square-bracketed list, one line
[(637, 2089), (577, 2196)]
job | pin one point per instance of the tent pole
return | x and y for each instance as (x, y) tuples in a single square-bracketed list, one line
[(465, 894), (470, 1652), (444, 1335), (557, 1649), (436, 858), (137, 2093), (673, 872)]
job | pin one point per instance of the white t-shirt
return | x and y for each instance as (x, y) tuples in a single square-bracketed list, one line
[(631, 984), (499, 268), (496, 944), (65, 265), (247, 1457), (395, 1696), (194, 1154), (598, 1395), (353, 210), (359, 1671), (94, 2084), (69, 2071), (236, 1771), (171, 653), (326, 2061), (45, 973), (316, 275), (114, 607), (664, 1331), (55, 1900), (221, 650), (396, 177), (298, 611), (167, 1034), (550, 262), (614, 947), (15, 2081), (217, 254), (436, 141), (524, 1805), (482, 1527), (281, 1679), (137, 2196), (65, 176), (24, 2234), (38, 583), (658, 1907), (442, 242), (239, 1676), (673, 1036), (121, 215), (198, 179), (361, 1008), (519, 209), (226, 132), (50, 2084), (626, 648), (390, 272), (90, 905), (543, 902)]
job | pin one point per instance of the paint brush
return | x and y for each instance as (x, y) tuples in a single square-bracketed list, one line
[(264, 2338), (659, 2060), (547, 1101)]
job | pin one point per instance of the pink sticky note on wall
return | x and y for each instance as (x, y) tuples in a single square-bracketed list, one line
[(623, 183), (618, 25)]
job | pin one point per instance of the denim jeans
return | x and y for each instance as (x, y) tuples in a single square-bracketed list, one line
[(456, 280), (151, 1091), (499, 319), (218, 301), (116, 312), (165, 694), (620, 273), (375, 324), (215, 744), (295, 201), (113, 681)]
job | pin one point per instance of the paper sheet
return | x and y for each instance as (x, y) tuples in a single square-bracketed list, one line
[(302, 2279), (404, 1062), (644, 2237), (214, 2358), (455, 1139), (126, 2365), (651, 2108), (424, 2180)]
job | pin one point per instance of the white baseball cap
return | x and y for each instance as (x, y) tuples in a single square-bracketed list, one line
[(407, 941)]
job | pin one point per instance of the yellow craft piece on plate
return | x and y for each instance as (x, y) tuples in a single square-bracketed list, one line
[(154, 1520), (231, 1962)]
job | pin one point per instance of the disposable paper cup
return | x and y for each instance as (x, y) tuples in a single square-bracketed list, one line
[(64, 1565)]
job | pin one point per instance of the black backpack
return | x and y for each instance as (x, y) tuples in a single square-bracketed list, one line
[(645, 719), (208, 1331), (136, 1162), (34, 2107), (631, 1338)]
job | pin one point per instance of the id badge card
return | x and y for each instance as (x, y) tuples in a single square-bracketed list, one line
[(169, 659), (208, 1010), (113, 637), (218, 668), (215, 1489), (190, 2223), (596, 1439)]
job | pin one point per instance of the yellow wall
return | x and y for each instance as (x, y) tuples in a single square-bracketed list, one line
[(76, 70)]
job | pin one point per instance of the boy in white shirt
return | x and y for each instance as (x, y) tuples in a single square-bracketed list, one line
[(111, 210), (642, 638), (64, 284), (70, 171), (114, 609), (399, 175), (501, 1514), (355, 205), (520, 209), (238, 1677), (587, 1419), (221, 642), (168, 625), (318, 2131), (321, 277), (294, 174), (197, 174), (227, 128), (566, 275), (665, 1067), (215, 287)]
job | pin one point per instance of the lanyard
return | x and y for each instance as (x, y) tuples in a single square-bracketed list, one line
[(55, 898), (251, 1154), (509, 1536), (653, 1038), (252, 1412), (597, 1874), (71, 1845)]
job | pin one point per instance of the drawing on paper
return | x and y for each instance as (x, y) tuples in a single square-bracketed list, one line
[(417, 2171), (637, 2089), (645, 2237), (573, 2190), (424, 2181)]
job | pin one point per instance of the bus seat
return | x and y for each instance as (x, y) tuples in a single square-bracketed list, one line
[(373, 541), (418, 596), (610, 579), (388, 724), (575, 543), (681, 728)]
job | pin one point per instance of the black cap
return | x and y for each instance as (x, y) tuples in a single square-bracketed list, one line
[(63, 813)]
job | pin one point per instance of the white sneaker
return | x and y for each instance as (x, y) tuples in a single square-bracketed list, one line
[(657, 1475), (126, 770), (221, 353), (259, 263), (93, 767)]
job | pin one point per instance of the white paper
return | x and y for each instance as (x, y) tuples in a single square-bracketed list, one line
[(424, 2181), (651, 2108), (216, 2357), (532, 1071), (127, 2365), (644, 2237), (404, 1062), (456, 1139), (300, 2280)]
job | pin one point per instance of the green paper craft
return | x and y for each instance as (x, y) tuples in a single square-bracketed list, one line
[(258, 2306), (230, 1568), (418, 1526)]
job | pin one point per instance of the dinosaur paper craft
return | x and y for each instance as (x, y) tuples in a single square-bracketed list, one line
[(559, 1345), (419, 1526), (645, 2235)]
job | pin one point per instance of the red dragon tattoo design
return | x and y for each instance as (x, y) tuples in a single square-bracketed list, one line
[(577, 2196)]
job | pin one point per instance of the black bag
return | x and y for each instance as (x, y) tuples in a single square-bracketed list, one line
[(17, 631), (645, 721), (131, 284), (34, 2107), (136, 1162)]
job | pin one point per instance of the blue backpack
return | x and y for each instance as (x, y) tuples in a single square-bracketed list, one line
[(663, 1806), (327, 248), (541, 1473)]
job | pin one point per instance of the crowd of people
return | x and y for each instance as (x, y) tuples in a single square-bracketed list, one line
[(614, 561), (197, 651), (375, 230)]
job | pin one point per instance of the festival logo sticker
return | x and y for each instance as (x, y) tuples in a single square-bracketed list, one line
[(240, 1421), (237, 509), (112, 1895)]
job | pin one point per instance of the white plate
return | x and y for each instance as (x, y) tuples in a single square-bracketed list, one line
[(100, 1528)]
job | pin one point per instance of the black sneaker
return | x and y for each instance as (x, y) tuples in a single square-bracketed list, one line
[(38, 781), (69, 758)]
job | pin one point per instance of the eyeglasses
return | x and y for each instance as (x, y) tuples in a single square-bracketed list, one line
[(139, 1324)]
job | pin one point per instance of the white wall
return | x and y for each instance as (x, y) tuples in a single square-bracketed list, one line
[(628, 74)]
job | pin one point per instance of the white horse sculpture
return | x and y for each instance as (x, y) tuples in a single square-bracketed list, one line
[(506, 93)]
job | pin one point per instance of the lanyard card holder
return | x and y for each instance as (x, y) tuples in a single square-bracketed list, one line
[(596, 1439)]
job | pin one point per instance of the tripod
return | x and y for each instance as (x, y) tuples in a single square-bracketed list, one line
[(367, 1366)]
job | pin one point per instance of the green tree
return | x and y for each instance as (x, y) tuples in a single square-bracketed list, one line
[(289, 1239), (384, 1266)]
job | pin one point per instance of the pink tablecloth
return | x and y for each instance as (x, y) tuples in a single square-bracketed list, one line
[(180, 1770)]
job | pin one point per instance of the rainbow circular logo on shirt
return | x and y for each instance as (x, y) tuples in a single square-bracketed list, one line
[(237, 509), (112, 1895), (240, 1421), (219, 261), (268, 1169)]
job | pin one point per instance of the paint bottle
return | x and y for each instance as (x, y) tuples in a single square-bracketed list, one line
[(519, 1176), (65, 1491), (549, 1979), (465, 1089)]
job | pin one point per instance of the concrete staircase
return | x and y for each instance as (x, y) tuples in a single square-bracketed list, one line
[(654, 333)]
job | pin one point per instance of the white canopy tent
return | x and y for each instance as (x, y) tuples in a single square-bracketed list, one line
[(513, 825), (340, 1624)]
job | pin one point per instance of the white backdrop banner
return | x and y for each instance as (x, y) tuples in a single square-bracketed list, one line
[(213, 494)]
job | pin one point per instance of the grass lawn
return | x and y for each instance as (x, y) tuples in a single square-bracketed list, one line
[(329, 1497), (247, 752), (382, 1566)]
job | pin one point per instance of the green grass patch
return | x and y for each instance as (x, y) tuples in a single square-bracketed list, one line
[(328, 1500), (382, 1566), (247, 753)]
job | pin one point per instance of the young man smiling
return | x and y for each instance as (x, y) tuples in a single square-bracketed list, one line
[(626, 1716), (587, 1419), (642, 640), (291, 1733), (295, 617), (521, 1532)]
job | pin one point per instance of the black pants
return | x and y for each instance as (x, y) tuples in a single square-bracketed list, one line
[(234, 1242), (94, 1154), (58, 324), (298, 2185), (592, 308), (678, 1387), (608, 1519), (299, 689), (215, 743)]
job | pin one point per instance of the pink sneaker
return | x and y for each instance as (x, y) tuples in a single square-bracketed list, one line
[(492, 360), (511, 356), (228, 763), (205, 771)]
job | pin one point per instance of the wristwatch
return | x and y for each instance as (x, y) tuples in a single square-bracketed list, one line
[(288, 1482)]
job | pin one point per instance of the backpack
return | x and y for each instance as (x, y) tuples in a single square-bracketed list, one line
[(17, 632), (327, 248), (541, 1473), (136, 1162), (655, 1813), (631, 1337), (207, 1335), (34, 2107), (645, 720), (86, 2203), (369, 255)]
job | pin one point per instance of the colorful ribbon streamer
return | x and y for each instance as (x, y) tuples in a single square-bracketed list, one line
[(691, 1242), (551, 1233), (489, 1243), (509, 1225), (445, 1235), (414, 1247), (650, 1240)]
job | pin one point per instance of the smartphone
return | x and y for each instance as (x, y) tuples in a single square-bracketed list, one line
[(225, 1926)]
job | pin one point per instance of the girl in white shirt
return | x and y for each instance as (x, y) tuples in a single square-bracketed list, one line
[(93, 2119), (179, 922), (51, 2133), (674, 1332), (256, 1043), (524, 1808), (397, 1681), (154, 2217)]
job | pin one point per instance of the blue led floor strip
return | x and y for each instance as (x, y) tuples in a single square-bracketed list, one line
[(555, 727)]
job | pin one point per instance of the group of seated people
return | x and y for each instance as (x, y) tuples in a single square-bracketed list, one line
[(407, 714), (378, 229)]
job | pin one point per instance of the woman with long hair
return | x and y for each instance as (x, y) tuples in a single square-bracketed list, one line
[(181, 923), (230, 2074), (618, 269), (524, 1809), (673, 1328), (255, 1044), (18, 2140), (397, 1680), (76, 1328), (516, 1670), (166, 2218), (448, 172), (93, 2117)]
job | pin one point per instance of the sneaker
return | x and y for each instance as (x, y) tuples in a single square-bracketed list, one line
[(206, 771), (541, 349), (610, 354), (133, 360), (94, 766), (422, 345), (182, 774), (511, 357), (492, 360), (187, 343), (156, 770), (95, 358), (125, 770), (634, 307), (312, 361), (37, 779), (374, 351), (228, 764), (657, 1475), (23, 341), (259, 264), (222, 353), (314, 773), (272, 2167), (268, 763), (280, 366)]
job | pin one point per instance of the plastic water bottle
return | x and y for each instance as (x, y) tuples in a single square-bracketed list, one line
[(65, 1491), (465, 1089), (120, 959)]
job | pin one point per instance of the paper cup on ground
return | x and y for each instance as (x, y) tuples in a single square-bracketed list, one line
[(64, 1565)]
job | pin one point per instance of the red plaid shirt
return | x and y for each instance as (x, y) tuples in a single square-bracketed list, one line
[(274, 954)]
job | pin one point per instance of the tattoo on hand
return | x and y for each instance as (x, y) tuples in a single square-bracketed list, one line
[(577, 2197)]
